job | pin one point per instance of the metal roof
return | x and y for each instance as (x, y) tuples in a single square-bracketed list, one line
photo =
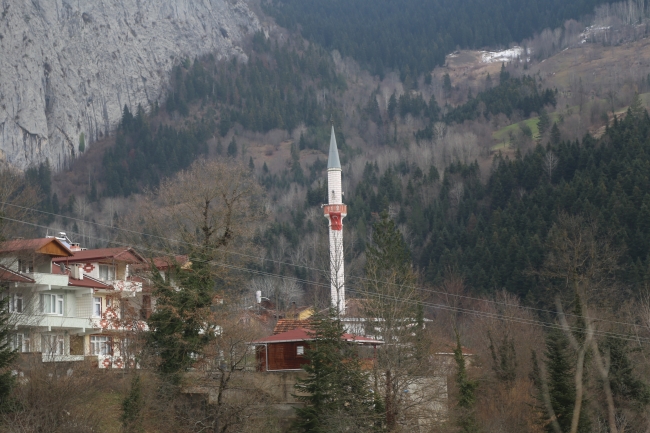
[(333, 160)]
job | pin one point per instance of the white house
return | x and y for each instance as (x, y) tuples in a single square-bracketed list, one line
[(71, 304)]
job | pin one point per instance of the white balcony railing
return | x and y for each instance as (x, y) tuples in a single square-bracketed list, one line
[(119, 325), (125, 286), (49, 279), (48, 357)]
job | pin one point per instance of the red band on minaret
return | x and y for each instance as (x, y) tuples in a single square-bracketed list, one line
[(336, 221)]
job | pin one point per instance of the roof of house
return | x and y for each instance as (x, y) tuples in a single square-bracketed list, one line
[(7, 275), (302, 334), (49, 246), (86, 281), (285, 325), (123, 254)]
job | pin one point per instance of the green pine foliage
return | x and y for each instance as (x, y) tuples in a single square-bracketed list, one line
[(521, 94), (627, 387), (560, 382), (413, 36), (336, 392), (465, 419), (275, 88), (388, 252), (144, 154), (39, 177), (132, 406), (504, 359), (178, 326), (82, 142), (7, 355), (496, 236)]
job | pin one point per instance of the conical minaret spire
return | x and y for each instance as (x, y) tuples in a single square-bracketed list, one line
[(335, 211)]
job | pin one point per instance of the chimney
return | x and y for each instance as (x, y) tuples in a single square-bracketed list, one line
[(75, 247), (77, 272)]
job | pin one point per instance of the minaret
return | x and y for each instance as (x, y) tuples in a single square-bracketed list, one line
[(335, 211)]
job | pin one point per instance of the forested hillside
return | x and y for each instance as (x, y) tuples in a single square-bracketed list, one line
[(275, 89), (413, 36), (497, 234)]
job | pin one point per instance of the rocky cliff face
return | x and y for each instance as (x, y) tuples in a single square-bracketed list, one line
[(69, 66)]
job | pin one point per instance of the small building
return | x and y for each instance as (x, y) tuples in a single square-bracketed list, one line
[(286, 351)]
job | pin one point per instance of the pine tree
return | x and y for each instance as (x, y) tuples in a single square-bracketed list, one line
[(336, 391), (178, 333), (7, 354), (82, 143), (132, 406), (504, 359), (555, 135), (388, 251), (232, 148), (561, 382), (446, 85), (466, 393), (392, 106), (544, 122)]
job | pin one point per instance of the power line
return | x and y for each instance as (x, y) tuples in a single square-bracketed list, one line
[(443, 307), (322, 271)]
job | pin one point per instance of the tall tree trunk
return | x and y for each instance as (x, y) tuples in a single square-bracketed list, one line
[(390, 413)]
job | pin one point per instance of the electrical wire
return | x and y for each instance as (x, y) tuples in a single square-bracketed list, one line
[(443, 307), (278, 262)]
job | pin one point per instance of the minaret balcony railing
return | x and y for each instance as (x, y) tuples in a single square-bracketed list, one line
[(335, 208)]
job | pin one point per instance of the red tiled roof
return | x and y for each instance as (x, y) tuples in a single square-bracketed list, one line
[(35, 245), (123, 254), (299, 334), (302, 334), (7, 275), (285, 325)]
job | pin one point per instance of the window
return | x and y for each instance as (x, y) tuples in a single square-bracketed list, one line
[(52, 304), (26, 266), (106, 272), (97, 307), (20, 342), (300, 351), (53, 345), (15, 303), (100, 345)]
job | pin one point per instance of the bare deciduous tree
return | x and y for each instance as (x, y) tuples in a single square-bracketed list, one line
[(550, 163)]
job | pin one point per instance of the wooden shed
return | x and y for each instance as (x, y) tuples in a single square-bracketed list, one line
[(286, 351)]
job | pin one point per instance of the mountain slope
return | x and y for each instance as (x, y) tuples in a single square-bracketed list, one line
[(70, 67)]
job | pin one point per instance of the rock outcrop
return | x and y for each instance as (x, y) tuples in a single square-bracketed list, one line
[(69, 67)]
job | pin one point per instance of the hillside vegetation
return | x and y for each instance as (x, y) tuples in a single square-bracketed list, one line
[(414, 36)]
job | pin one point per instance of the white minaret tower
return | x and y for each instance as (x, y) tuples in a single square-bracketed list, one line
[(335, 211)]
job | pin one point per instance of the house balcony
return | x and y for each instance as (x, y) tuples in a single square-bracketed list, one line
[(48, 357), (54, 322), (116, 324), (132, 287), (50, 280)]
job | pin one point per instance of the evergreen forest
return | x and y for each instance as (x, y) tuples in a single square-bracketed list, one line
[(414, 36)]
